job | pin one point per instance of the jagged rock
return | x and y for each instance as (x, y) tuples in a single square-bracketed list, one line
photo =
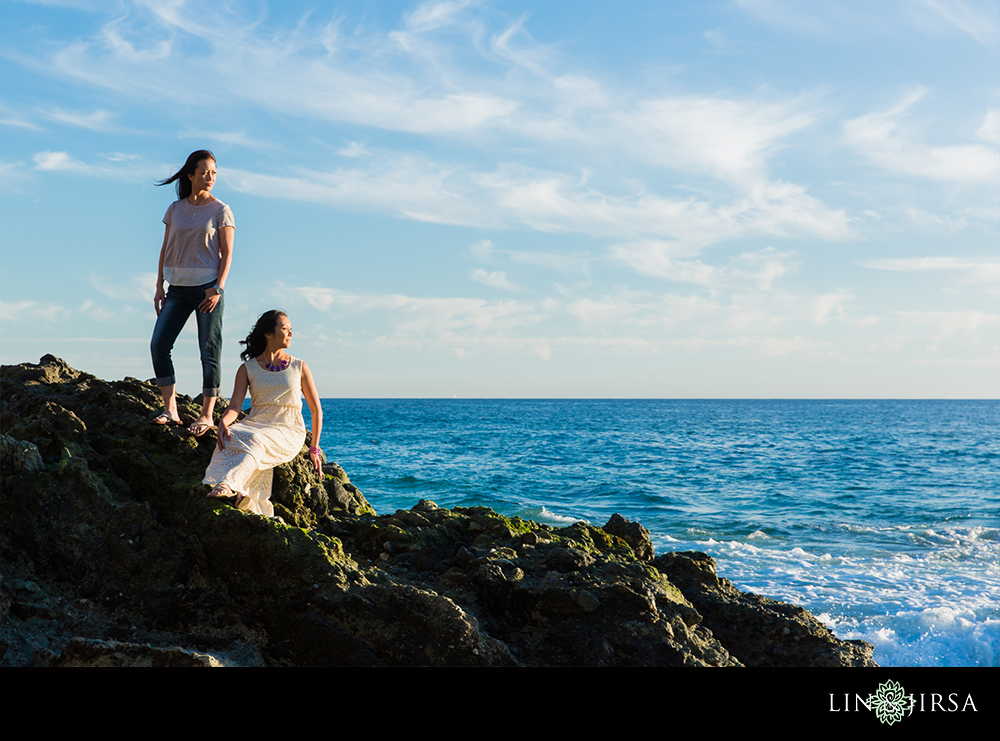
[(111, 555), (757, 630), (632, 533), (18, 455)]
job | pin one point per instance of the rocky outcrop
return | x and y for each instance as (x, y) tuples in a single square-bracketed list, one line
[(111, 555), (761, 631)]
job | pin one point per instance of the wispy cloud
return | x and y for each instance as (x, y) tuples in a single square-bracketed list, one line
[(767, 346), (228, 138), (12, 310), (353, 149), (983, 272), (979, 24), (91, 5), (432, 15), (60, 161), (420, 188), (409, 185), (98, 120), (830, 304), (601, 311), (885, 138), (21, 310), (975, 19), (770, 323), (556, 113), (64, 162), (446, 317), (944, 325), (138, 289), (657, 259), (494, 279), (12, 117), (482, 249), (278, 73), (990, 130), (730, 139), (96, 311), (575, 264), (796, 17)]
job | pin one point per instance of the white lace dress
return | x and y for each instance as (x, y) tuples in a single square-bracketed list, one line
[(272, 434)]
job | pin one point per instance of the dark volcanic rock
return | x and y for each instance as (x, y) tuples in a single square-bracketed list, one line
[(632, 533), (757, 630), (110, 555)]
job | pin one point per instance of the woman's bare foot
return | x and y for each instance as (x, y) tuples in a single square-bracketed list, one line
[(166, 418), (201, 426)]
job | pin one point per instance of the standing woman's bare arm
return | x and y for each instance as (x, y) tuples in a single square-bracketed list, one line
[(160, 297), (226, 236), (316, 410)]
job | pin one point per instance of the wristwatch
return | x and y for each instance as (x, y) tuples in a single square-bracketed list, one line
[(218, 288)]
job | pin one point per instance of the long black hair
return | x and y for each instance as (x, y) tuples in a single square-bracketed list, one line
[(256, 342), (181, 176)]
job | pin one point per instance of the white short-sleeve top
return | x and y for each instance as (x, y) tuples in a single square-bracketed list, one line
[(193, 256)]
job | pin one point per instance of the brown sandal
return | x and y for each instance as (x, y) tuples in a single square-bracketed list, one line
[(221, 490), (200, 428), (243, 501)]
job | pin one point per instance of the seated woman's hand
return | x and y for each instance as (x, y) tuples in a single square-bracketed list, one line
[(316, 456), (222, 435)]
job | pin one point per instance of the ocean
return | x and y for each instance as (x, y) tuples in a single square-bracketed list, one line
[(880, 517)]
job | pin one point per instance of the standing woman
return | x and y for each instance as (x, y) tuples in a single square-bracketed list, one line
[(195, 259), (274, 431)]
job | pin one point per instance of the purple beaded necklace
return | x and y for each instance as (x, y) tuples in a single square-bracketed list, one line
[(278, 365)]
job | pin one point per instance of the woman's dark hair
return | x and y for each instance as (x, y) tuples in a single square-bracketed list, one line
[(181, 176), (256, 342)]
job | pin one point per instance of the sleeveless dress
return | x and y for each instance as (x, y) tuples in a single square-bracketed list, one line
[(271, 434)]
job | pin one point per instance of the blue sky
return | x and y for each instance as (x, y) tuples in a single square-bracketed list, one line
[(747, 198)]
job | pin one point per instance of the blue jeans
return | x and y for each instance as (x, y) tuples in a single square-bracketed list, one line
[(181, 301)]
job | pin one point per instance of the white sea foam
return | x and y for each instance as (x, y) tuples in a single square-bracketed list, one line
[(937, 608), (547, 515), (933, 637)]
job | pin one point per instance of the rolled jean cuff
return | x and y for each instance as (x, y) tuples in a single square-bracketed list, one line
[(166, 381), (210, 392)]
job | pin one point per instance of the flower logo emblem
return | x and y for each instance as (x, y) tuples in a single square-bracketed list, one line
[(890, 702)]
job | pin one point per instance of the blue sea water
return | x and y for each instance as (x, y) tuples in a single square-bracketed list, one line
[(881, 517)]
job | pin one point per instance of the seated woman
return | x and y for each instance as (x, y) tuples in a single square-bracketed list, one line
[(273, 432)]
